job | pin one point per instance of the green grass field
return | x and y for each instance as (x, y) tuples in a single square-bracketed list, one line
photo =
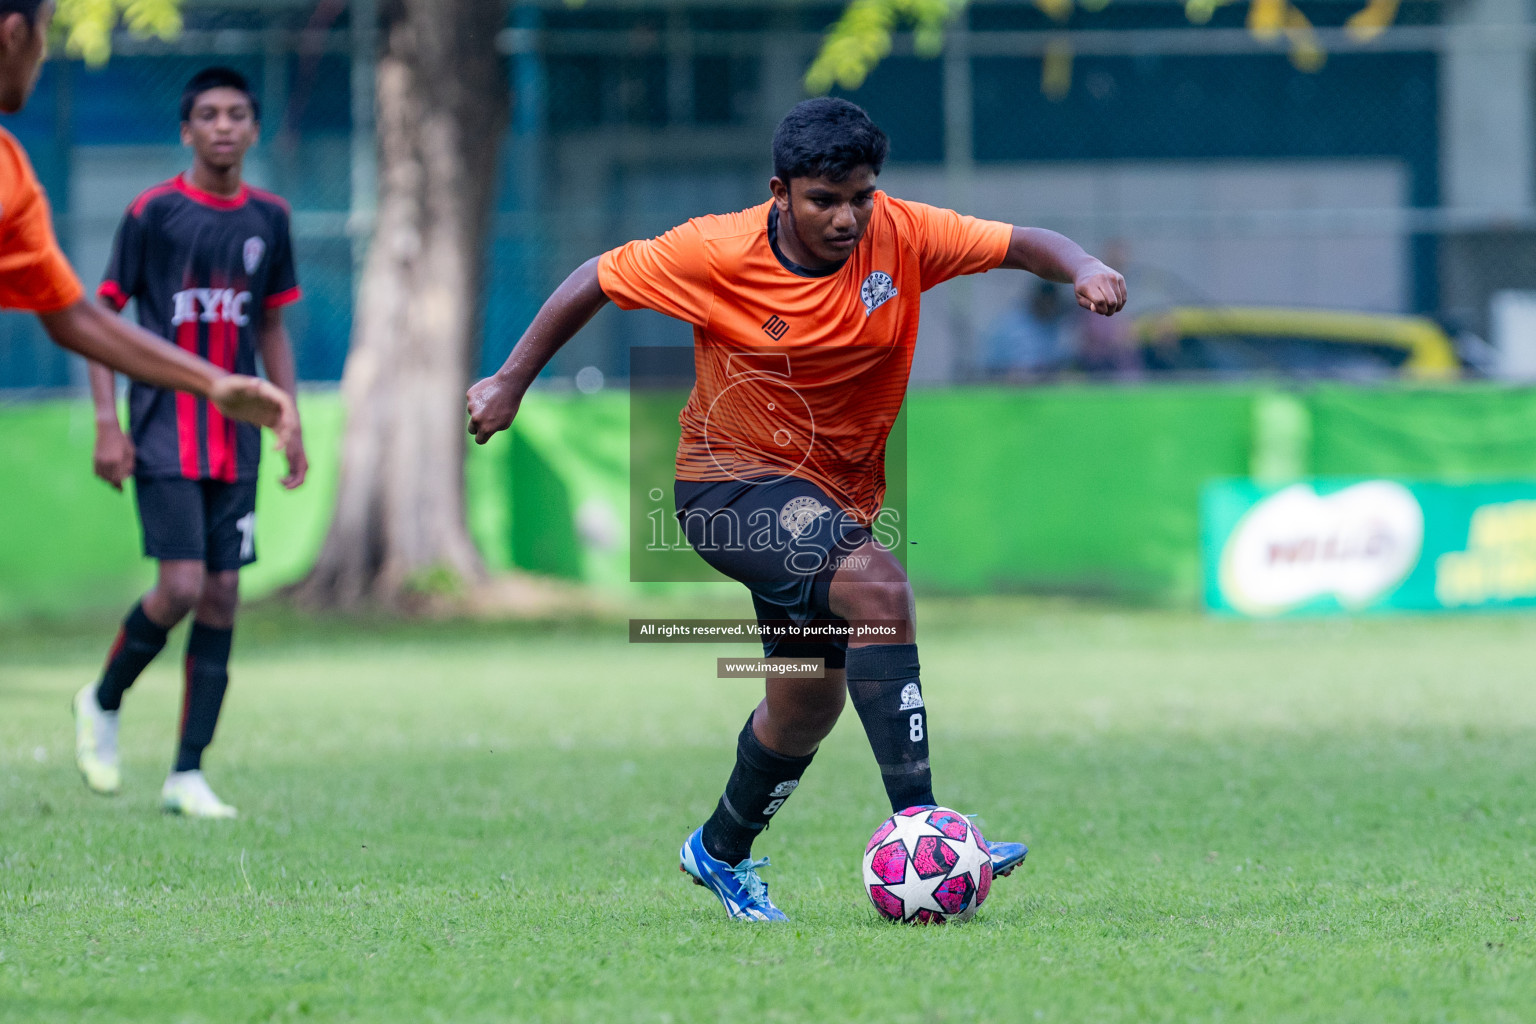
[(1315, 821)]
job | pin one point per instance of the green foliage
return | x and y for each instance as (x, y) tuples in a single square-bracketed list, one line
[(87, 24), (1326, 821), (861, 38)]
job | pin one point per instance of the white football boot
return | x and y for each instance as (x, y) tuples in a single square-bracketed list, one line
[(187, 793), (96, 743)]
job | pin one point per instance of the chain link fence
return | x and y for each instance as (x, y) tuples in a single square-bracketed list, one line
[(1201, 159)]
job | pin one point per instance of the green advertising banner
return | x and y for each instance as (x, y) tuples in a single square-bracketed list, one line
[(1329, 546)]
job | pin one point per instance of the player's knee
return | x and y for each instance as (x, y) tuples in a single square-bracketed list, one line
[(878, 602), (802, 732), (219, 599), (871, 585), (180, 591), (828, 715), (817, 713), (795, 720)]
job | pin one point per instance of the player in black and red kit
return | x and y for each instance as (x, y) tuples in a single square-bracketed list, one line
[(210, 262), (35, 276)]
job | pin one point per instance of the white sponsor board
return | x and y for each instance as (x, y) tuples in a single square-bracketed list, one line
[(1355, 545)]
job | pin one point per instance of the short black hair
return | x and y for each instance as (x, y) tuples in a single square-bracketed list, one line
[(214, 78), (26, 7), (827, 138)]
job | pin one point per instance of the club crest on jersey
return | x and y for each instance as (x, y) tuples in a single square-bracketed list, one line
[(799, 513), (876, 291), (911, 697), (255, 249)]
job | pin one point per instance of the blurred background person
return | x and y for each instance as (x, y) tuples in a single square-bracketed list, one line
[(1029, 342)]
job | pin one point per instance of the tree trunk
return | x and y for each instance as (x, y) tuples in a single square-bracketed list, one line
[(399, 523)]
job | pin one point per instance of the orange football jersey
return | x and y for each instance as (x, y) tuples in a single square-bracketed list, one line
[(797, 373), (34, 274)]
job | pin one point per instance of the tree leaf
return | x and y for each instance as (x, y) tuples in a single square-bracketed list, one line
[(861, 38), (87, 25)]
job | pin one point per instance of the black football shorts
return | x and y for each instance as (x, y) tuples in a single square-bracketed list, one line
[(207, 521), (784, 538)]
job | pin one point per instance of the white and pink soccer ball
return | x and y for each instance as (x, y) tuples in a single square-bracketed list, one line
[(927, 865)]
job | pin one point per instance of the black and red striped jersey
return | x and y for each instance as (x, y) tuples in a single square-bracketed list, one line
[(205, 270)]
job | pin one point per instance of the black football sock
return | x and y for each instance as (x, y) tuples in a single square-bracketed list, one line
[(760, 783), (207, 678), (884, 687), (137, 643)]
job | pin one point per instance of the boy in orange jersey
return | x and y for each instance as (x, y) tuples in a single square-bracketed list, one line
[(805, 313), (35, 276)]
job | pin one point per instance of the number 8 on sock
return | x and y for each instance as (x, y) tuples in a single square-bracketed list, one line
[(915, 727)]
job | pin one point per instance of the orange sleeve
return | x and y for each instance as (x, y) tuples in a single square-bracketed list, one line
[(34, 274), (669, 274), (950, 244)]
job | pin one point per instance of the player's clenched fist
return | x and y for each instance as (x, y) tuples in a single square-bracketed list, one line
[(493, 404), (113, 458), (1100, 290)]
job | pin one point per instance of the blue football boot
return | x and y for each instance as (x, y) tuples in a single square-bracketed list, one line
[(1006, 857), (744, 894)]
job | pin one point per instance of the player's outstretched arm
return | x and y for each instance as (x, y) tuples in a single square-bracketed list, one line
[(98, 335), (277, 358), (493, 402), (1057, 258)]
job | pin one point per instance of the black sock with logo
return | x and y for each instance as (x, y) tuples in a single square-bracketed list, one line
[(138, 641), (886, 692), (207, 679), (759, 784)]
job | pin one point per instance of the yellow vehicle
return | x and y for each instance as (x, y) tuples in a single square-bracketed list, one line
[(1257, 340)]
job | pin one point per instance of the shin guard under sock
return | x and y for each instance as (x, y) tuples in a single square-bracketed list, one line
[(207, 679), (138, 642), (759, 784), (884, 687)]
